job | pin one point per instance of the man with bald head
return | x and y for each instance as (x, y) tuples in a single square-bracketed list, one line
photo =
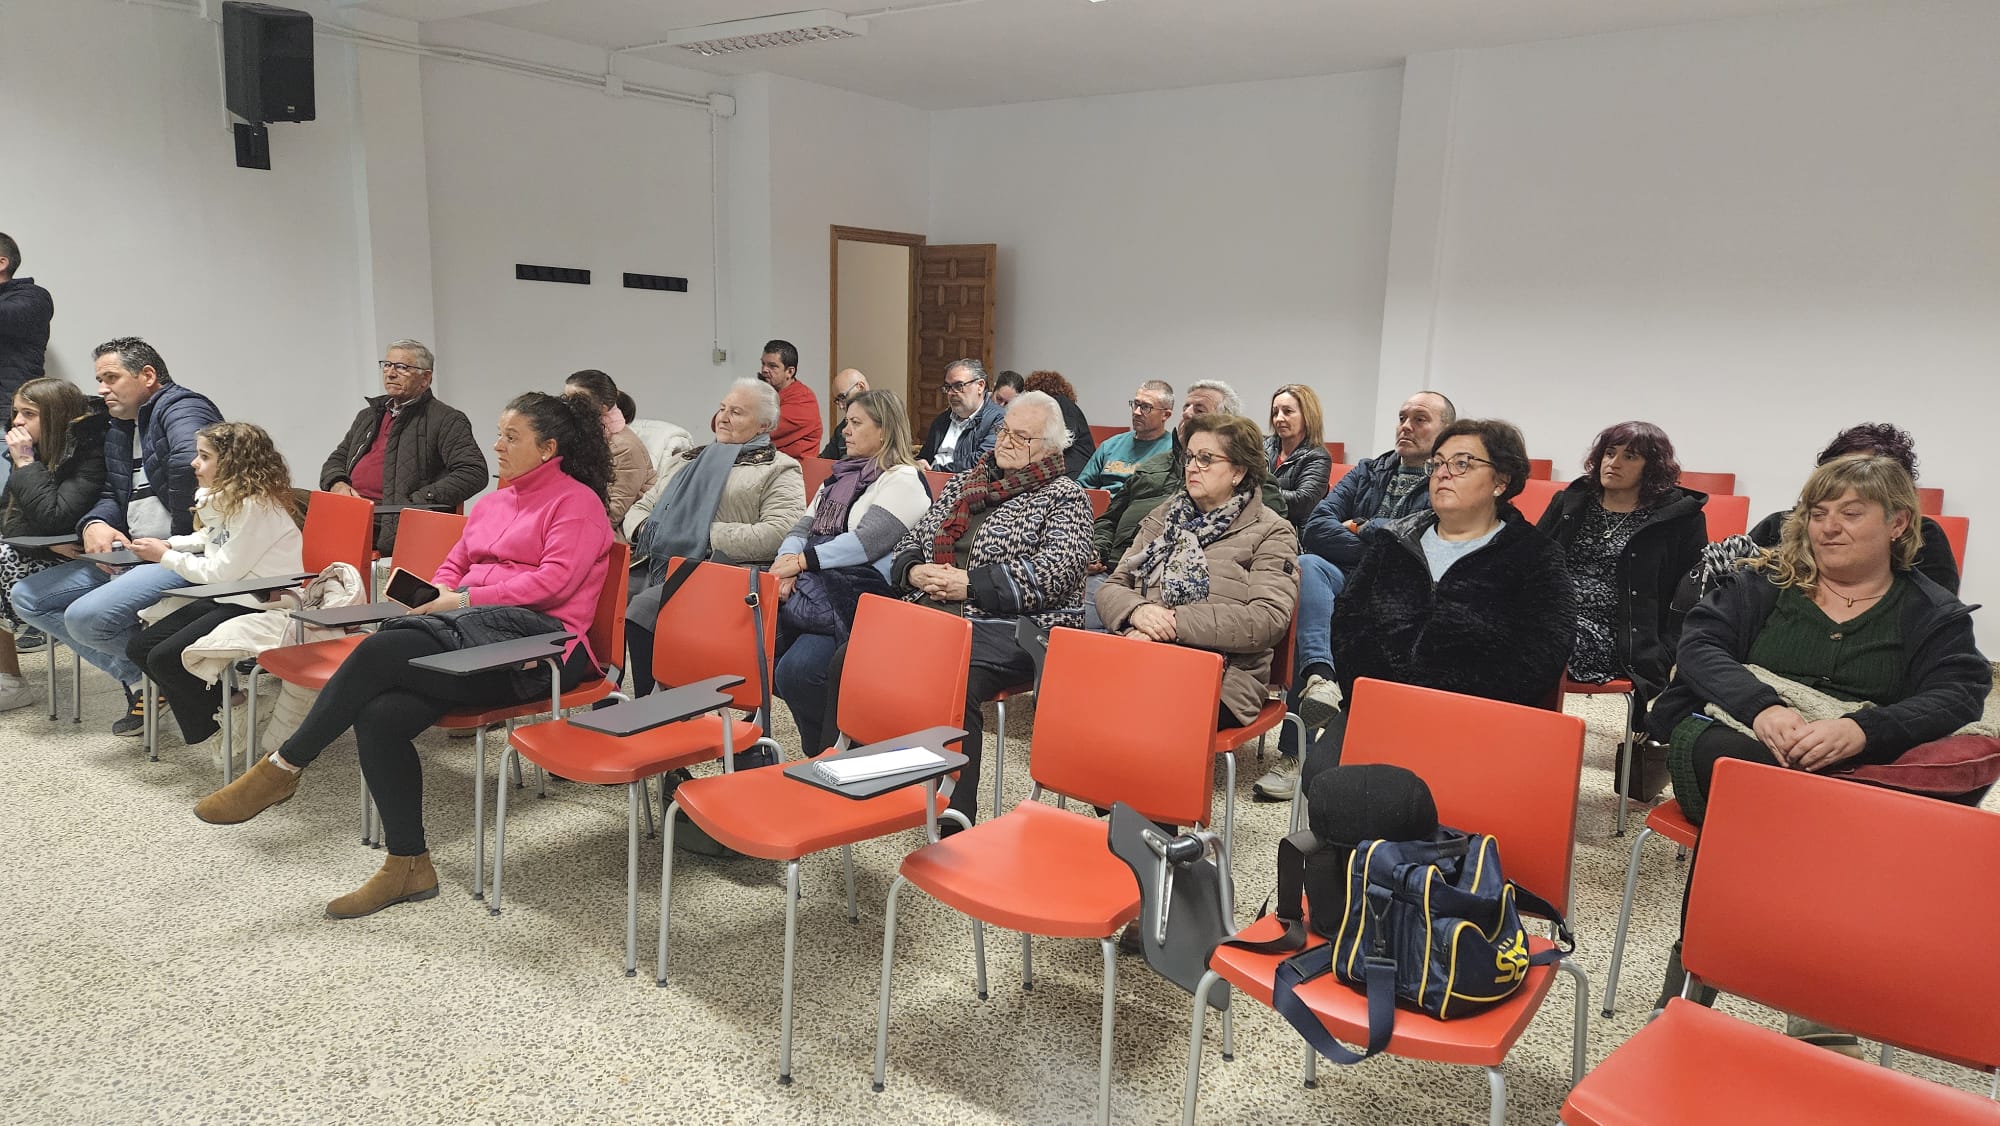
[(846, 385)]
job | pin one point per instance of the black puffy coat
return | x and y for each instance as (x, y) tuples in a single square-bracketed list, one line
[(48, 501), (1498, 625), (1660, 553), (432, 457)]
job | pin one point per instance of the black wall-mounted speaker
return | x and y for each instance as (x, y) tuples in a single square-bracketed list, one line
[(267, 61)]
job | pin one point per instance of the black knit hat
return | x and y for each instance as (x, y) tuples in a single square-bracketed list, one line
[(1373, 802)]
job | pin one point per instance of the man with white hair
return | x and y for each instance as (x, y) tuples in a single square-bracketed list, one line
[(964, 433), (406, 446)]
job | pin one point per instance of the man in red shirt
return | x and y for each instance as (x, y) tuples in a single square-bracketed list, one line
[(799, 425)]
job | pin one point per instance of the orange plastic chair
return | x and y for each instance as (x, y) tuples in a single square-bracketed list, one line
[(1709, 482), (1927, 984), (1337, 451), (1535, 497), (1103, 434), (1100, 501), (1726, 515), (937, 479), (1503, 769), (1930, 502), (710, 633), (1955, 530), (765, 814), (607, 642), (816, 470), (1619, 687), (1045, 871), (1228, 740), (1541, 469), (1667, 821), (423, 539)]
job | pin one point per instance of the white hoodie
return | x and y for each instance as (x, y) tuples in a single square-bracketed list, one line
[(258, 540)]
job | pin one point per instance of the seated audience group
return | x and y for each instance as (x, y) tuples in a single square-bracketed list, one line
[(1841, 643)]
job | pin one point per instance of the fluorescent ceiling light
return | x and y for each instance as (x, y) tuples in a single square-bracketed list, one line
[(814, 26)]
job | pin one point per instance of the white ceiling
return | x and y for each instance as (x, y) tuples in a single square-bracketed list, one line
[(949, 54)]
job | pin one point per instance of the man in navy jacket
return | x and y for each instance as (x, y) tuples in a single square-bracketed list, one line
[(148, 491)]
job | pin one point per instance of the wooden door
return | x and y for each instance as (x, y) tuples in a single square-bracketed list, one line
[(954, 321)]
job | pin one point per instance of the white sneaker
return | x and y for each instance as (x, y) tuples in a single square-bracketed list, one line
[(14, 693), (1318, 701)]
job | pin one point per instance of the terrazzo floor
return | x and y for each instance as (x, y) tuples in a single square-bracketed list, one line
[(161, 970)]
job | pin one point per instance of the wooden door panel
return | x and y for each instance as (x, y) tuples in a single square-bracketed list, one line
[(955, 290)]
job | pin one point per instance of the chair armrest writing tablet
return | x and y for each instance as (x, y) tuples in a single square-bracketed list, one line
[(934, 738), (40, 541), (669, 705), (340, 617), (241, 586), (116, 557), (499, 655)]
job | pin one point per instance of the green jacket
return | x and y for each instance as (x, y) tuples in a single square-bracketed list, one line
[(1156, 479)]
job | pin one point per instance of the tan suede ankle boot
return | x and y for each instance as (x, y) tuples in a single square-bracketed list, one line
[(403, 879), (254, 791)]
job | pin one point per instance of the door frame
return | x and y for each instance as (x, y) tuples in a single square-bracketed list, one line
[(837, 234)]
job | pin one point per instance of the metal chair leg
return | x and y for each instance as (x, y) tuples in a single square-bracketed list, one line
[(1310, 1079), (666, 887), (1626, 749), (1027, 963), (367, 815), (1497, 1115), (1191, 1088), (1580, 1019), (1110, 947), (882, 1006), (979, 958), (75, 686), (785, 992), (847, 862), (646, 800), (999, 753), (1624, 919), (634, 798), (479, 820), (250, 724), (1228, 808), (50, 648), (228, 720)]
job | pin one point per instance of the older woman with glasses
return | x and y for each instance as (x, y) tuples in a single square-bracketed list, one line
[(1213, 567), (1467, 597), (1007, 539)]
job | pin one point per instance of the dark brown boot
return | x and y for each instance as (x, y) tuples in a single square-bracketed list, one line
[(402, 879), (254, 791)]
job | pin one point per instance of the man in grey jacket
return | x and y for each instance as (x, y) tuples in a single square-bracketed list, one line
[(406, 447)]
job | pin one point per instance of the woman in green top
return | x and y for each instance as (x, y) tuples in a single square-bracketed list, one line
[(1836, 607)]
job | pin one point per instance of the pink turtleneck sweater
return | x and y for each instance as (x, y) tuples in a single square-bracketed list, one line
[(541, 542)]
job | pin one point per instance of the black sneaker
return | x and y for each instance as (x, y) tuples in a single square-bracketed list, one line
[(132, 724), (30, 640)]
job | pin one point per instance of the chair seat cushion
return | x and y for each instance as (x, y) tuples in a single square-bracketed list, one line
[(1480, 1040), (1668, 821), (593, 757), (765, 814), (1227, 739), (1036, 869), (1694, 1064), (310, 665)]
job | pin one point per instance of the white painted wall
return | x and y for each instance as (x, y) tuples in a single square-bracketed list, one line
[(873, 281), (124, 194), (1229, 232), (1753, 232)]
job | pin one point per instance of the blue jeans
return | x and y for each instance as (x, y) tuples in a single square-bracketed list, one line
[(1320, 582), (93, 613), (800, 680)]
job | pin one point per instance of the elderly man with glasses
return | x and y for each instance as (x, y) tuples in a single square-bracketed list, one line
[(964, 433), (1152, 407), (406, 447)]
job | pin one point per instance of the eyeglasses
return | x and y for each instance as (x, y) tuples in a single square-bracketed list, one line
[(1143, 405), (1202, 459), (388, 366), (846, 397), (1017, 437), (1458, 465), (962, 384)]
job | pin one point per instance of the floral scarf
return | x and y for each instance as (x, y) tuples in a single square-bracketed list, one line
[(985, 486), (1174, 568), (850, 478)]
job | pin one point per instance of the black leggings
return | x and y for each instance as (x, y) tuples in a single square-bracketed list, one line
[(158, 650), (388, 704)]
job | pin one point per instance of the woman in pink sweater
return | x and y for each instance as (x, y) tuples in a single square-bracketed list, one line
[(538, 547)]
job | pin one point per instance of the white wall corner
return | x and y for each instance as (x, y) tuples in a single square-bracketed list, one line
[(1417, 228)]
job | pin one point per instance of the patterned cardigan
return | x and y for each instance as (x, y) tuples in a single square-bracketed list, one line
[(1028, 555)]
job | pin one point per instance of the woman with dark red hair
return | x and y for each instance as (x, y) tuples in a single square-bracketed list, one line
[(1628, 534), (1082, 445)]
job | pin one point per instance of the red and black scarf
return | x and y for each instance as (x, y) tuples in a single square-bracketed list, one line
[(985, 486)]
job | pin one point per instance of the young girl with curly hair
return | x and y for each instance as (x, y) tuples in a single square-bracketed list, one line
[(244, 530)]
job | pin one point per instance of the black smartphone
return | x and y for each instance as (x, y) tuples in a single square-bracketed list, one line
[(405, 587)]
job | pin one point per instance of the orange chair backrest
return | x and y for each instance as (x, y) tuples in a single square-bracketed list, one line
[(1098, 744), (1503, 769), (339, 529), (607, 621), (1535, 496), (1286, 654), (1792, 907), (1541, 469), (424, 538), (1709, 482), (905, 671), (1100, 501), (937, 479), (816, 470), (1335, 472), (1103, 434), (1336, 450), (707, 629), (1930, 502), (1955, 530), (1726, 516)]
